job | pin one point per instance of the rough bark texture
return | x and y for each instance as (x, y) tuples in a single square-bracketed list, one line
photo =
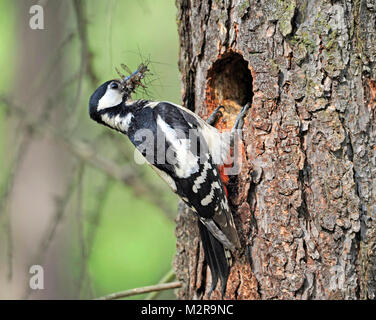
[(305, 201)]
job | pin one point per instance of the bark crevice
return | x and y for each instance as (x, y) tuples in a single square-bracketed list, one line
[(305, 198)]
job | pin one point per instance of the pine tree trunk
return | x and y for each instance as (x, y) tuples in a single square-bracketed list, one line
[(305, 200)]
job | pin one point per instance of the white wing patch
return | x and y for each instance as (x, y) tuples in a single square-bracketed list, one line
[(218, 142), (186, 162)]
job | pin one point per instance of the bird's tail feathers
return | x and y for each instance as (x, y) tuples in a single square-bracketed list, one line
[(217, 257)]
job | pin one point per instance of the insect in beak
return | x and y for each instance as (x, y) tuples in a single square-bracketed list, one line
[(130, 83)]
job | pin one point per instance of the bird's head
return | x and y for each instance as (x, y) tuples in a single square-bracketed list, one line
[(108, 95), (111, 95)]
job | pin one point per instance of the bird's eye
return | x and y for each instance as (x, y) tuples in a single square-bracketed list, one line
[(114, 85)]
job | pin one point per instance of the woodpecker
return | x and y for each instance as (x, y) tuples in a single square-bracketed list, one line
[(194, 172)]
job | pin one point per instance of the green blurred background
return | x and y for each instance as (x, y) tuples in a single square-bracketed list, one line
[(106, 240)]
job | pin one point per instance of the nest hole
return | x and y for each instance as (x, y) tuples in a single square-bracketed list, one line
[(229, 84)]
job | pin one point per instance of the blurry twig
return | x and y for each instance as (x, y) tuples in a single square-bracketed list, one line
[(61, 204), (80, 229), (44, 75), (88, 241), (86, 55), (170, 275), (5, 195), (43, 2), (110, 13), (30, 124), (86, 66), (136, 291), (95, 217), (128, 175), (23, 131), (94, 220)]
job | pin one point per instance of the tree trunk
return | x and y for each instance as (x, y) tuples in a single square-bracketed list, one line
[(305, 201)]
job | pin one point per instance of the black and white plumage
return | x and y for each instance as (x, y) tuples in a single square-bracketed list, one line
[(193, 174)]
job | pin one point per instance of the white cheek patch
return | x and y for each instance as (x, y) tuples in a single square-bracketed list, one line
[(111, 99)]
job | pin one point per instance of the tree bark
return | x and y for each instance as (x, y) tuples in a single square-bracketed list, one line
[(305, 201)]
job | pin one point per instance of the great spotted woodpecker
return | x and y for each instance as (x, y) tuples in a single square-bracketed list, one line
[(158, 129)]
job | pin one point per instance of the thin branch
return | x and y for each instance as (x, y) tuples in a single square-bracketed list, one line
[(169, 276), (136, 291)]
